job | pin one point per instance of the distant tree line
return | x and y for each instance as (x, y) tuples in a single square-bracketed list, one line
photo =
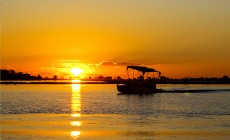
[(12, 75), (166, 80), (202, 80)]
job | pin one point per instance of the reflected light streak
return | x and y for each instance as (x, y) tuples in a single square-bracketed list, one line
[(75, 123), (76, 107), (75, 134), (76, 99), (76, 115)]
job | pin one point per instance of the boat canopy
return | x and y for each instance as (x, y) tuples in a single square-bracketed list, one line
[(142, 69)]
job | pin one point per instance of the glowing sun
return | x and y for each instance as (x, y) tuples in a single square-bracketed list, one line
[(76, 71)]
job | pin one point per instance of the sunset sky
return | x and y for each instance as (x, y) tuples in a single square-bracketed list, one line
[(180, 38)]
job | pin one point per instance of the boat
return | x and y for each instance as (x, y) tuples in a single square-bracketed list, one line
[(143, 84)]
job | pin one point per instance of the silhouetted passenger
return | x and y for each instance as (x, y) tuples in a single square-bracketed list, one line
[(141, 78)]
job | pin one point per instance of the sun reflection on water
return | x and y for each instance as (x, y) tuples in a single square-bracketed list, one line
[(76, 107), (76, 115), (75, 123), (75, 134)]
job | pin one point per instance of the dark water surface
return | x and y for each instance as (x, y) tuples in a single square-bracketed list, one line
[(95, 111)]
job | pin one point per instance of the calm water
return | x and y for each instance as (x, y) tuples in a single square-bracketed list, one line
[(95, 111)]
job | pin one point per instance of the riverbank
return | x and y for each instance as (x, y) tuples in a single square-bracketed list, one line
[(15, 82)]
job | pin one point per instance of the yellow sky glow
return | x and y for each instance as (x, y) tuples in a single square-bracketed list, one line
[(179, 38)]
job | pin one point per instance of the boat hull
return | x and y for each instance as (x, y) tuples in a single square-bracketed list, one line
[(123, 88)]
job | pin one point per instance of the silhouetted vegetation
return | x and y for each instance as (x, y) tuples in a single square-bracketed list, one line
[(202, 80), (167, 80), (12, 75)]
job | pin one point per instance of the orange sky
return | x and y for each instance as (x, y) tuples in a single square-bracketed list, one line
[(179, 38)]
